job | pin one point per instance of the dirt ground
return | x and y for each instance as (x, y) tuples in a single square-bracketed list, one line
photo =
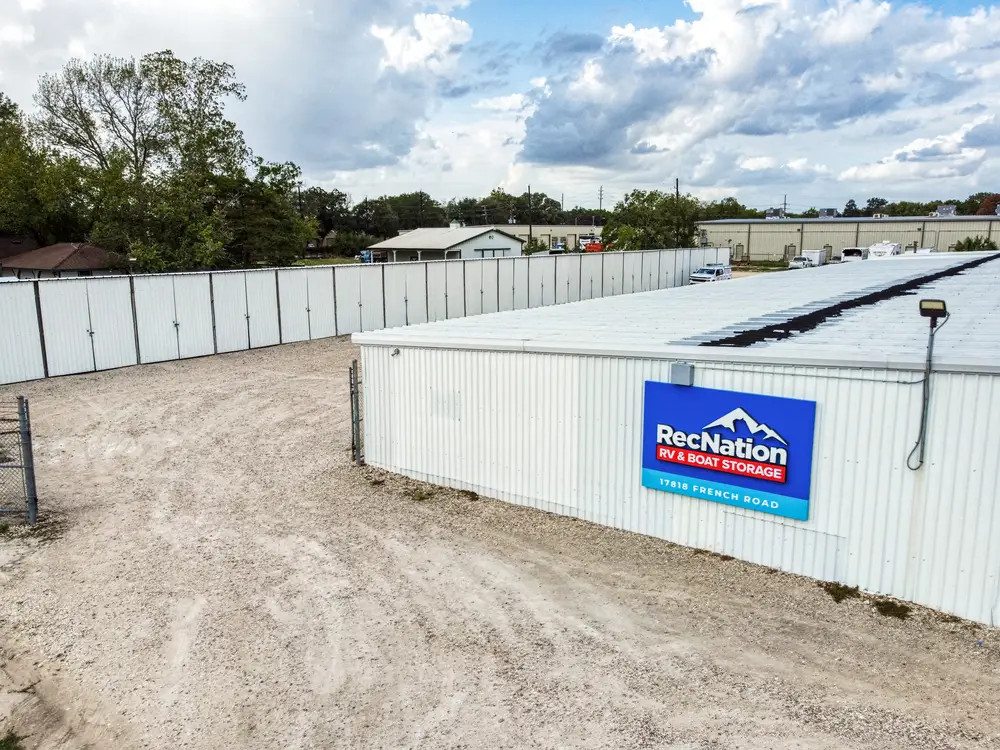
[(214, 573)]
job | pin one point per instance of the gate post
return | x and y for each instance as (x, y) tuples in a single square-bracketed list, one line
[(27, 458)]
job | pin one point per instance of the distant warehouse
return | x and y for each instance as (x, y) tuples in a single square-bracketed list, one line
[(785, 419), (783, 239)]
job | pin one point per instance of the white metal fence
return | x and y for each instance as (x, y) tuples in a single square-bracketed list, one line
[(66, 326)]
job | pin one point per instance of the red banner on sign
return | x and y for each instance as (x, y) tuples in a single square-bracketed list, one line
[(726, 464)]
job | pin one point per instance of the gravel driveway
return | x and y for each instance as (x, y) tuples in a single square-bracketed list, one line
[(214, 573)]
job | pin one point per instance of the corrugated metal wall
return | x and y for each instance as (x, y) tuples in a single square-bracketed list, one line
[(768, 241), (101, 323), (563, 434)]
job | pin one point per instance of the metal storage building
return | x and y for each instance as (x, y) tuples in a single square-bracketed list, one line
[(545, 408), (783, 239)]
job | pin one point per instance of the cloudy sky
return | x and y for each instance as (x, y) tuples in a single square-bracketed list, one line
[(822, 101)]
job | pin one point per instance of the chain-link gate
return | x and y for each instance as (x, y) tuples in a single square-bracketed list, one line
[(17, 467), (357, 440)]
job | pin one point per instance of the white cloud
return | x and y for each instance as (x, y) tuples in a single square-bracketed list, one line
[(755, 163), (17, 35), (509, 103), (432, 43), (944, 156), (322, 90), (850, 22)]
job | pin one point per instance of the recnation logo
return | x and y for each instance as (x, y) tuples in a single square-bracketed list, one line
[(734, 459)]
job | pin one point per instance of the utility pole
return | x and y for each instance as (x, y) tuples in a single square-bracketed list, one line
[(530, 228), (562, 202), (420, 216), (298, 188), (677, 212), (784, 207), (600, 199)]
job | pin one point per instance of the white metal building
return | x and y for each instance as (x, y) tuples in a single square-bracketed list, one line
[(783, 239), (545, 408), (452, 243)]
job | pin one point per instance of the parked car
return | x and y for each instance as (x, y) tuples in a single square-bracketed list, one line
[(712, 272), (801, 261)]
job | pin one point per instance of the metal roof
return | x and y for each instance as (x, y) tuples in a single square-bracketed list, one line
[(437, 239), (849, 220), (691, 323)]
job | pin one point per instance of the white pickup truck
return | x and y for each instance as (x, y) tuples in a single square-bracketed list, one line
[(711, 272)]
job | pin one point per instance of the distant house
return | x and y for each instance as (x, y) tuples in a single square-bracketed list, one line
[(452, 243), (15, 244), (65, 260)]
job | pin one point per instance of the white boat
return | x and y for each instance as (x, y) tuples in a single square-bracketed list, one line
[(849, 254)]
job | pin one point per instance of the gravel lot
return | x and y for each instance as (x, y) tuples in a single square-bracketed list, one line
[(213, 573)]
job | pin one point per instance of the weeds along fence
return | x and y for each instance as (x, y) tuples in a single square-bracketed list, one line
[(58, 327)]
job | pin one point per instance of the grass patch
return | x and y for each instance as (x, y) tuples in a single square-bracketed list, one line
[(839, 592), (4, 528), (469, 495), (889, 608), (11, 741), (420, 495), (726, 558)]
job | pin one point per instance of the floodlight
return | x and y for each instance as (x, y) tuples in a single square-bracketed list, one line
[(933, 309)]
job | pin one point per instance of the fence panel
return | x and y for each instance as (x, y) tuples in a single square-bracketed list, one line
[(395, 295), (473, 279), (20, 341), (505, 283), (591, 275), (614, 268), (568, 278), (437, 291), (155, 314), (229, 294), (521, 283), (372, 299), (322, 316), (66, 320), (650, 271), (416, 293), (193, 302), (347, 281), (666, 269), (456, 288), (110, 302), (262, 307), (491, 300), (293, 299), (631, 272)]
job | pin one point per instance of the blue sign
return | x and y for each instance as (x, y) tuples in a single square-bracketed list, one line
[(740, 449)]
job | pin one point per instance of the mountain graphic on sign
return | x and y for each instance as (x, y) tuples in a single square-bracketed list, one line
[(739, 415)]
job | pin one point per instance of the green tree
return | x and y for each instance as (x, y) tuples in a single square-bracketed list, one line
[(41, 194), (416, 210), (375, 216), (875, 206), (729, 208), (645, 220), (975, 243)]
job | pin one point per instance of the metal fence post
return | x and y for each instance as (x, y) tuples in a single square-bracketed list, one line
[(355, 381), (27, 458)]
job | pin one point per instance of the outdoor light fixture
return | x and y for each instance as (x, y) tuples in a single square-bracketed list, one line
[(935, 309)]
